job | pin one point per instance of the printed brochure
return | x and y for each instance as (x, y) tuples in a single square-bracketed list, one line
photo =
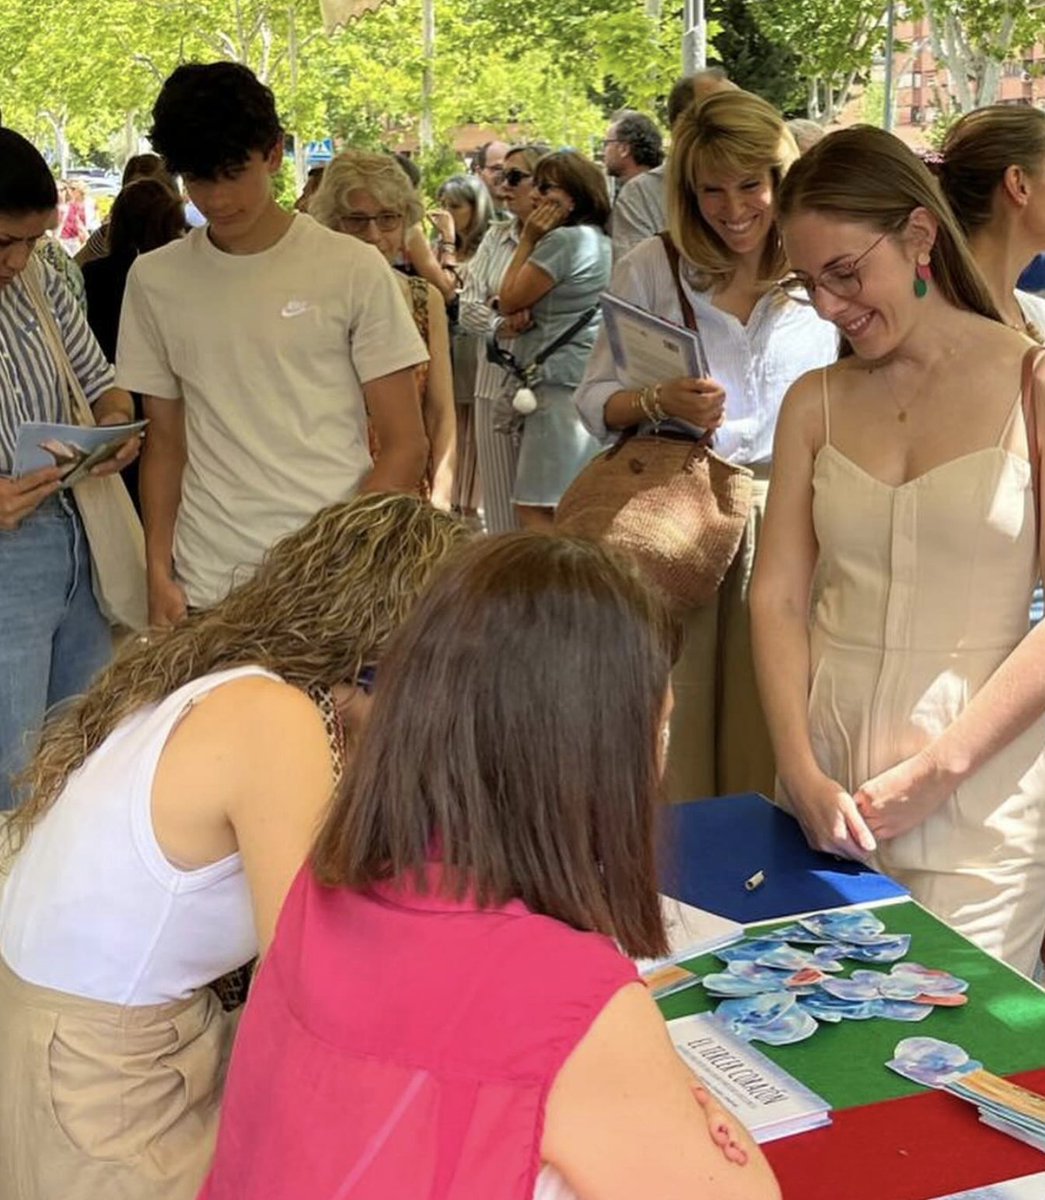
[(73, 448)]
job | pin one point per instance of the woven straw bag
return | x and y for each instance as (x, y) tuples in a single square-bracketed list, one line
[(666, 499), (671, 503)]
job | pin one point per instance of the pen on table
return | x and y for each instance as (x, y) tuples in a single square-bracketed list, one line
[(755, 881)]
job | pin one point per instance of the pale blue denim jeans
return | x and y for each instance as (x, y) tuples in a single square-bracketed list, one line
[(53, 639)]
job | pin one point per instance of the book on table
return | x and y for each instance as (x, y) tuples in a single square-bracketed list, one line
[(769, 1101), (691, 932)]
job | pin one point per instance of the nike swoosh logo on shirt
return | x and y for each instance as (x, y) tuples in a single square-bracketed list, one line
[(294, 308)]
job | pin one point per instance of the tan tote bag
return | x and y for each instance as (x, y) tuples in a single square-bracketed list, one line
[(114, 532)]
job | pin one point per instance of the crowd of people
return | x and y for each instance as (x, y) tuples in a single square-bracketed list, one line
[(390, 733)]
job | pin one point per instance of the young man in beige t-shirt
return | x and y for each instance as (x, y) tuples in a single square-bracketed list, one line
[(261, 343)]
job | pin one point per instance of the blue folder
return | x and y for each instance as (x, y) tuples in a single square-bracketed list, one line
[(710, 847)]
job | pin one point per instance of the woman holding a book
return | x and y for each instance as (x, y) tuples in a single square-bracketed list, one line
[(53, 637), (729, 156), (445, 1009), (169, 808)]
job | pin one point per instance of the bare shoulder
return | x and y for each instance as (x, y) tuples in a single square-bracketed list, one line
[(436, 307), (802, 409), (264, 713)]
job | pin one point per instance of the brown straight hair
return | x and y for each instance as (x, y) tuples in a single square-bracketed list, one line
[(582, 181), (980, 148), (514, 735), (866, 175)]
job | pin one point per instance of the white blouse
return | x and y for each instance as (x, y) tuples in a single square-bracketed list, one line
[(756, 363)]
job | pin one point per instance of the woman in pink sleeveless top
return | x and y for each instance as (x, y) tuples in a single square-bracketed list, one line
[(444, 1012)]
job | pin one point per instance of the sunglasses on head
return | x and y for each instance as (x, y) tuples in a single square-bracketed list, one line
[(515, 176)]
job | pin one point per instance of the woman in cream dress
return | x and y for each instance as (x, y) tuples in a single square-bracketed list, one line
[(906, 712)]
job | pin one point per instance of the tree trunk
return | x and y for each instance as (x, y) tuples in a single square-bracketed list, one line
[(300, 166), (813, 99), (829, 101), (427, 130), (130, 135)]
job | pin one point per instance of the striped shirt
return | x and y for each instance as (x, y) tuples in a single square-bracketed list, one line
[(485, 272), (31, 386)]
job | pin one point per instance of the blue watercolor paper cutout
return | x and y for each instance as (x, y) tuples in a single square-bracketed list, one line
[(749, 979), (787, 958), (900, 1010), (887, 948), (850, 927), (931, 1062), (932, 982), (801, 936), (749, 950), (774, 1018), (851, 989), (826, 1007)]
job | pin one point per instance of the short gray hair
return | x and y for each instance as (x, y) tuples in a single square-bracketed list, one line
[(378, 174)]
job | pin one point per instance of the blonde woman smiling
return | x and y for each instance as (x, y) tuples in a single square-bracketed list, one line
[(727, 161)]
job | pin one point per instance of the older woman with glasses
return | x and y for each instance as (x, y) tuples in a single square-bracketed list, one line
[(904, 694), (371, 198)]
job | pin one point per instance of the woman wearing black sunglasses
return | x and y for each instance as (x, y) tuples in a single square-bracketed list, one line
[(479, 314), (560, 266)]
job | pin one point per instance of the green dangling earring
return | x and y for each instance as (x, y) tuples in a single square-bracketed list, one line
[(923, 274)]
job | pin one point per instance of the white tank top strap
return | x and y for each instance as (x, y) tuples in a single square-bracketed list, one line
[(160, 725), (827, 406)]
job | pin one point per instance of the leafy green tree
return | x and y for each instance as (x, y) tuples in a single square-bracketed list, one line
[(833, 42), (973, 38), (755, 58)]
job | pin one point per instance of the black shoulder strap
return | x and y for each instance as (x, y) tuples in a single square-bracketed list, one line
[(568, 336), (502, 357)]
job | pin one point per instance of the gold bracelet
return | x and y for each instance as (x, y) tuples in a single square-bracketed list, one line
[(659, 415)]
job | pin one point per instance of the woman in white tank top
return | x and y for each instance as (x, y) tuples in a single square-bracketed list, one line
[(165, 814)]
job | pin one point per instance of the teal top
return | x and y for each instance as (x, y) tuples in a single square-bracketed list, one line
[(578, 259)]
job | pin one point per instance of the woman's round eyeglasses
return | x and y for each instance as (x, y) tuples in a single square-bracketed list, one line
[(842, 280), (359, 222)]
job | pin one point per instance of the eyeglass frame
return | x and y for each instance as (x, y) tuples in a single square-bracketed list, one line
[(363, 223), (546, 185), (793, 282)]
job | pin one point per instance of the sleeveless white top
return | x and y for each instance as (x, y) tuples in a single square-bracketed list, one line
[(93, 908)]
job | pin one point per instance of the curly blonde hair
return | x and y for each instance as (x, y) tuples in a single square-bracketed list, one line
[(322, 606), (729, 133), (378, 174)]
